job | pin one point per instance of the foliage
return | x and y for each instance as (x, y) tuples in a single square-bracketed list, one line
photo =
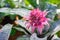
[(58, 34), (13, 31), (33, 3), (11, 3), (23, 11), (54, 1), (2, 3)]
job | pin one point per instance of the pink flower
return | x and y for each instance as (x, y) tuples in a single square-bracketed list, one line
[(37, 20)]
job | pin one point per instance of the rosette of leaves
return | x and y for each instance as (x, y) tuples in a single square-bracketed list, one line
[(25, 12)]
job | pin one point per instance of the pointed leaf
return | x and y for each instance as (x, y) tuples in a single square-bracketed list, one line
[(19, 11), (33, 3), (42, 4), (55, 27), (5, 32), (22, 12), (5, 10), (52, 10), (20, 29), (22, 23)]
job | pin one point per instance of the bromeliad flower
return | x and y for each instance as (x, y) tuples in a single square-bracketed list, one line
[(37, 20)]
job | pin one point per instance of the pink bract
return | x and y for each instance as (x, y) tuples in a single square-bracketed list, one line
[(37, 20)]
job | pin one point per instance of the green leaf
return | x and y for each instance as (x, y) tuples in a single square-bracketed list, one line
[(11, 3), (26, 2), (2, 14), (19, 29), (32, 2), (58, 6), (42, 4), (2, 3), (13, 32), (55, 18), (12, 16), (55, 27), (0, 20), (22, 27), (58, 34), (54, 1)]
